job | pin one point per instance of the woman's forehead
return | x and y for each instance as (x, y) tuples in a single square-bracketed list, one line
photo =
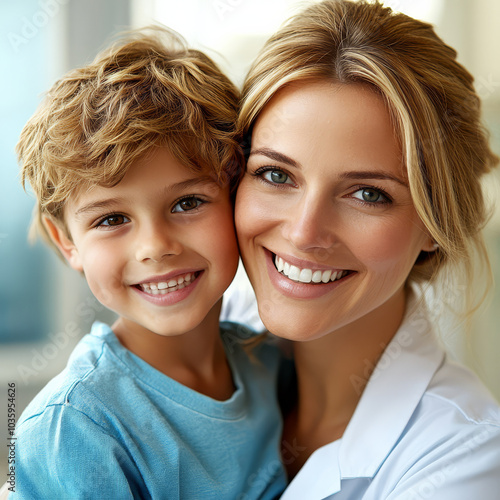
[(326, 122)]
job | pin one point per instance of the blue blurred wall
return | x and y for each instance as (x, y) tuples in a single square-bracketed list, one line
[(26, 73)]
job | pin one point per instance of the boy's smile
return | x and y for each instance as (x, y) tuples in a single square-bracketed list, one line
[(161, 285), (169, 289), (158, 248)]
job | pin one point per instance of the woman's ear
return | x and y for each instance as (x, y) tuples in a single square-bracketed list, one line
[(63, 242), (429, 245)]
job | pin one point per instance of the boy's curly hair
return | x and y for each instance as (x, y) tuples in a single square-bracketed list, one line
[(147, 90)]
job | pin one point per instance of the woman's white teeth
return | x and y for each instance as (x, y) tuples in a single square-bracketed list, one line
[(316, 277), (171, 285), (279, 264), (294, 273), (306, 275)]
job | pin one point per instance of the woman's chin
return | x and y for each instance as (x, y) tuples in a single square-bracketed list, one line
[(292, 327)]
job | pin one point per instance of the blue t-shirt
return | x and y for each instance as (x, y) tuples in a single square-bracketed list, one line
[(111, 426)]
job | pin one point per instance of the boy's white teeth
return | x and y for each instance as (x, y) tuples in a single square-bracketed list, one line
[(163, 287), (306, 275)]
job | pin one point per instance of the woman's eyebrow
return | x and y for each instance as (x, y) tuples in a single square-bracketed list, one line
[(276, 156), (372, 174)]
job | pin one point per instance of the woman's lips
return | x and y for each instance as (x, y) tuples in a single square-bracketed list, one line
[(307, 275), (303, 282)]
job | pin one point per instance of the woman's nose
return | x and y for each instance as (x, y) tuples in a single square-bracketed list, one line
[(310, 225), (156, 242)]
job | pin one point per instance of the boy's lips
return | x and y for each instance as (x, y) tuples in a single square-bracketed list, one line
[(164, 291), (171, 282)]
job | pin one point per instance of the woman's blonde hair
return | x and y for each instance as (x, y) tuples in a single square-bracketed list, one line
[(147, 90), (431, 98)]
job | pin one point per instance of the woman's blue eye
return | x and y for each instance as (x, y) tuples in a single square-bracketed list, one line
[(276, 177), (370, 195), (114, 220), (187, 204)]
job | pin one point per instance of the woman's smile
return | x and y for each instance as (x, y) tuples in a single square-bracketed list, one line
[(307, 273), (297, 282)]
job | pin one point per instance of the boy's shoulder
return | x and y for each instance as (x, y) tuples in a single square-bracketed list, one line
[(87, 366)]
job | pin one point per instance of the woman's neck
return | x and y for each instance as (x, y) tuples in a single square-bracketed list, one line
[(332, 372)]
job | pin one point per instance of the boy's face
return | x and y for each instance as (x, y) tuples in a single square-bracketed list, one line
[(159, 248)]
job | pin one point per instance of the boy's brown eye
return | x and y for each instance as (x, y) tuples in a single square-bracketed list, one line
[(187, 204), (114, 220)]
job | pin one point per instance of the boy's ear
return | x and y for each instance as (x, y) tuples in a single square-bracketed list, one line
[(63, 243)]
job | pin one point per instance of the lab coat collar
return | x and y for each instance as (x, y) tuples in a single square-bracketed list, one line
[(392, 394), (389, 399)]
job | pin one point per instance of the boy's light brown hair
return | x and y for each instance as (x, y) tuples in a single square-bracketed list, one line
[(147, 90)]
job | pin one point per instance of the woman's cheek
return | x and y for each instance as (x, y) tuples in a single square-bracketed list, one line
[(386, 245), (251, 212)]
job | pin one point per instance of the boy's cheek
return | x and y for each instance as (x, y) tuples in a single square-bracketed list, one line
[(75, 261), (226, 235), (104, 292)]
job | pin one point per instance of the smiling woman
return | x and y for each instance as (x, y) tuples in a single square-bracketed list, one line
[(334, 187), (362, 190)]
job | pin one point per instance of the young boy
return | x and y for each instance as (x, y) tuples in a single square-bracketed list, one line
[(133, 160)]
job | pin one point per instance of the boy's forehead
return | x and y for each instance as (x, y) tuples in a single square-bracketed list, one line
[(161, 161)]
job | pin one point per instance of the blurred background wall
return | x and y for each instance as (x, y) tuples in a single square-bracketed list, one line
[(45, 307)]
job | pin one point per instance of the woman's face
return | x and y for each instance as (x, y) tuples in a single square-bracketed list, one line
[(326, 224)]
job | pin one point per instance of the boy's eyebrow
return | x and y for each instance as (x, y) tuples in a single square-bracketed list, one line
[(96, 206), (110, 202), (193, 182)]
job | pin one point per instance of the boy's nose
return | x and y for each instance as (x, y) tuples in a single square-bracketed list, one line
[(156, 244)]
